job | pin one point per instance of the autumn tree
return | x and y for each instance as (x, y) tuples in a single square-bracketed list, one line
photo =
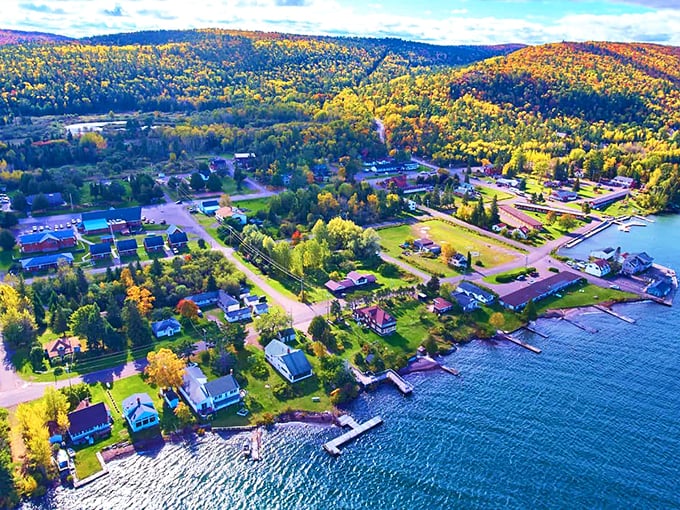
[(165, 369), (497, 320), (56, 407), (184, 415), (448, 251), (225, 200), (142, 297), (187, 308), (566, 222)]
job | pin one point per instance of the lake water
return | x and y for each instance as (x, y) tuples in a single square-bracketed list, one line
[(593, 422)]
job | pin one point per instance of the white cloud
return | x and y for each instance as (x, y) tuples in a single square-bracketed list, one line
[(84, 17)]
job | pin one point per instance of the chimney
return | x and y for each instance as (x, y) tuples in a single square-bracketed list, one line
[(231, 371)]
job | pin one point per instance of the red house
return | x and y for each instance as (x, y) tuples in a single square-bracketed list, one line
[(42, 242), (377, 319)]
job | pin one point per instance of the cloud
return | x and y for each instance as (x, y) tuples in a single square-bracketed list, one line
[(655, 4), (41, 8), (117, 11), (291, 3)]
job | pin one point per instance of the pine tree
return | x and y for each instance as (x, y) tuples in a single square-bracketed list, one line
[(59, 320), (494, 216), (137, 328), (38, 310)]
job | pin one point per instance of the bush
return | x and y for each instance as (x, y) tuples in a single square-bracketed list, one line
[(266, 419), (512, 275), (258, 367), (553, 269), (283, 391), (205, 357)]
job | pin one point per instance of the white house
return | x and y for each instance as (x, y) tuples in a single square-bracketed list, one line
[(292, 364), (140, 412), (168, 327), (412, 205), (598, 267), (458, 260), (605, 253), (625, 182), (475, 292), (208, 397)]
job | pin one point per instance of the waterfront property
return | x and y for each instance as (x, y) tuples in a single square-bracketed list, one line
[(45, 262), (661, 287), (127, 247), (514, 217), (634, 263), (608, 253), (536, 291), (100, 251), (466, 303), (441, 306), (88, 422), (207, 397), (353, 280), (166, 328), (111, 220), (476, 292), (62, 347), (43, 242), (545, 209), (598, 267), (292, 364), (376, 319), (605, 201), (139, 412)]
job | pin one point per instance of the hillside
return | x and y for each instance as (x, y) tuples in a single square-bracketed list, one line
[(18, 36), (205, 69)]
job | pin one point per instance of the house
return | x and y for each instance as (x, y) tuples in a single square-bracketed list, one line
[(412, 205), (354, 279), (250, 300), (54, 200), (660, 288), (116, 220), (238, 315), (209, 207), (108, 239), (441, 305), (521, 232), (624, 182), (62, 347), (172, 229), (139, 412), (635, 263), (499, 227), (217, 164), (100, 251), (260, 308), (227, 213), (598, 267), (206, 397), (43, 242), (178, 240), (127, 247), (478, 293), (467, 303), (564, 195), (171, 398), (377, 319), (606, 200), (292, 364), (608, 253), (88, 422), (510, 183), (428, 245), (459, 260), (514, 217), (540, 290), (45, 262), (205, 298), (226, 302), (167, 327), (244, 159), (287, 335), (154, 244)]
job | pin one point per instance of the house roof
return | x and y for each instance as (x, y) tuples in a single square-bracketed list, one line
[(225, 299), (462, 299), (87, 417), (171, 395), (295, 360), (165, 324), (423, 242), (441, 304), (138, 406), (540, 288), (40, 237), (172, 229), (377, 315), (642, 256), (601, 263), (61, 346), (261, 308), (227, 212), (520, 216), (241, 313), (178, 238), (154, 241), (53, 199), (194, 379), (126, 245), (129, 214), (100, 248), (473, 289), (210, 203), (204, 296), (356, 275), (287, 332), (612, 197), (45, 260), (221, 385)]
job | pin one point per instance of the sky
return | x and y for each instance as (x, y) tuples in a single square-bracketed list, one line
[(431, 21)]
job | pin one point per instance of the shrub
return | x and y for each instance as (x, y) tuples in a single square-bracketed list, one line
[(553, 269)]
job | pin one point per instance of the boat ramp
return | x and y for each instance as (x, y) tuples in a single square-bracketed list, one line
[(356, 429)]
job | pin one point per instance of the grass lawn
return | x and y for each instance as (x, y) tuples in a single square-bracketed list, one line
[(254, 205), (489, 193), (7, 258), (583, 294), (487, 250)]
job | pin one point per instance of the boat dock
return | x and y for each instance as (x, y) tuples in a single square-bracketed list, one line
[(401, 384), (256, 444), (388, 375), (614, 314), (595, 230), (450, 370), (535, 332), (506, 336), (580, 326), (333, 446)]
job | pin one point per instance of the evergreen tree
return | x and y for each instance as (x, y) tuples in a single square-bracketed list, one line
[(529, 313), (494, 216), (137, 328), (38, 310), (211, 284), (59, 320), (156, 268), (114, 312)]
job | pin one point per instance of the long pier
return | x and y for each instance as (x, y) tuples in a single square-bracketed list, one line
[(256, 444), (401, 384), (356, 429), (535, 332), (506, 336), (611, 312), (596, 230), (388, 375)]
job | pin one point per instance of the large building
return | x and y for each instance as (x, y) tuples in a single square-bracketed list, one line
[(540, 290), (45, 262), (207, 397), (116, 220), (512, 216), (604, 201), (43, 242), (377, 319)]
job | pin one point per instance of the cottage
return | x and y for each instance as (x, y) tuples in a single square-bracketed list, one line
[(127, 247), (499, 227), (46, 262), (292, 364), (178, 240), (598, 267), (116, 220), (287, 335), (604, 254), (228, 213), (238, 315), (540, 290), (88, 422), (62, 347), (207, 397), (564, 195), (635, 263), (521, 232), (441, 306), (154, 244), (459, 260), (427, 245), (139, 412), (43, 242), (167, 327), (467, 303), (209, 207), (660, 288), (226, 302), (354, 279), (377, 319), (476, 292), (606, 200), (100, 251)]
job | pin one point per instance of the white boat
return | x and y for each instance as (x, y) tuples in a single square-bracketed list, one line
[(624, 228), (246, 448)]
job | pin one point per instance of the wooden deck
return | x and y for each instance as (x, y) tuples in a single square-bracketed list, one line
[(356, 429)]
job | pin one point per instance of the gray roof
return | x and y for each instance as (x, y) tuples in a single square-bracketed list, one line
[(295, 360), (153, 241), (221, 386), (473, 289), (226, 300), (194, 384), (126, 245), (167, 323)]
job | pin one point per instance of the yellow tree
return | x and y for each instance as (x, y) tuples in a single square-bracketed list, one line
[(497, 320), (56, 407), (448, 251), (165, 369), (126, 277), (32, 423), (184, 414), (143, 297)]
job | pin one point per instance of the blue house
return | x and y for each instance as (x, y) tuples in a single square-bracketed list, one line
[(168, 327), (88, 422), (140, 412), (242, 314), (209, 207), (45, 262)]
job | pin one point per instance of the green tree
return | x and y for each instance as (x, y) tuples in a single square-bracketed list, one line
[(59, 320), (432, 286), (529, 313), (494, 216), (317, 328), (214, 183), (270, 324), (336, 309), (137, 328), (40, 203), (87, 323), (7, 240), (196, 182), (430, 345)]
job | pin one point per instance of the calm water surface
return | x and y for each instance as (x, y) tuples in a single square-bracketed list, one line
[(593, 422)]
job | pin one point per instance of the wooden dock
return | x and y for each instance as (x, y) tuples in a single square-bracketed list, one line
[(588, 329), (450, 370), (356, 429), (401, 384), (505, 336), (535, 332), (388, 375), (611, 312), (256, 444)]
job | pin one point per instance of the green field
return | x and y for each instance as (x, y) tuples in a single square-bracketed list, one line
[(583, 294), (489, 193), (253, 205), (489, 251)]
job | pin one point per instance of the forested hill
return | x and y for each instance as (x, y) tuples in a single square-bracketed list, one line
[(18, 37), (205, 69)]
